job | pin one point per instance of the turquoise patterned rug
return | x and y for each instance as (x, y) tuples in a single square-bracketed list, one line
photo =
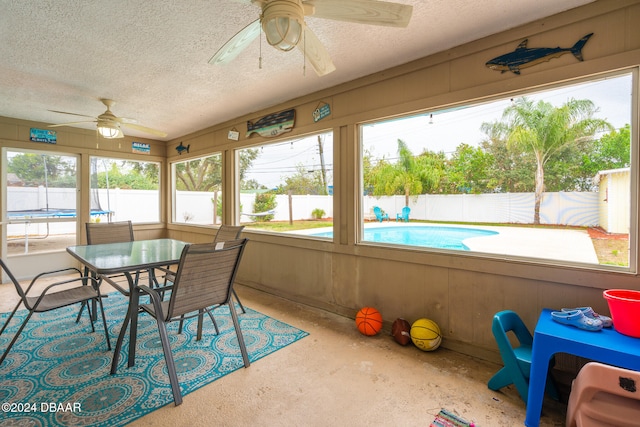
[(58, 371)]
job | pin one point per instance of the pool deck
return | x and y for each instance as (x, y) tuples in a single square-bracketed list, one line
[(516, 242)]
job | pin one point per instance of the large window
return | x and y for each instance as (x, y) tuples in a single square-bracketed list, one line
[(124, 190), (287, 186), (41, 201), (197, 186), (541, 175)]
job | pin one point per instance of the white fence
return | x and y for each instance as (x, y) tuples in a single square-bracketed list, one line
[(572, 208)]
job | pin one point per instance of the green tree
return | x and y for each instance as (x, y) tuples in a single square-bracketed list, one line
[(203, 174), (264, 202), (410, 175), (509, 171), (42, 169), (127, 175), (546, 131), (612, 151), (303, 182), (468, 170)]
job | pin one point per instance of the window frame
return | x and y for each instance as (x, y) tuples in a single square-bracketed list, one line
[(174, 190), (634, 122)]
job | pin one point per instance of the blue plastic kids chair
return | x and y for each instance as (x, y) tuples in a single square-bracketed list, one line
[(517, 361)]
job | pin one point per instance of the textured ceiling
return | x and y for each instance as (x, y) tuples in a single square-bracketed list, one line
[(152, 57)]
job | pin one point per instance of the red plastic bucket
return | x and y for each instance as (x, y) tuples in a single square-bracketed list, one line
[(624, 306)]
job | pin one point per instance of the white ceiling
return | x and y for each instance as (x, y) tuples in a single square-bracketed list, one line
[(151, 57)]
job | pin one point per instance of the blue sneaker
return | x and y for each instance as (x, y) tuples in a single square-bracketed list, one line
[(588, 311), (578, 319)]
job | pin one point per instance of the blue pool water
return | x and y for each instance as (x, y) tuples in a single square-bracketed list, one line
[(427, 236)]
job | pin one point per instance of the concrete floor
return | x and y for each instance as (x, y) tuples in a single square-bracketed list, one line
[(338, 377)]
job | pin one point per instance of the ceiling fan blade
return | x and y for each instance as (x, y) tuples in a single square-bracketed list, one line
[(236, 44), (72, 114), (370, 12), (145, 129), (316, 53), (73, 123)]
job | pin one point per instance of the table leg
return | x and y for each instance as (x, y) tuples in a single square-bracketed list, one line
[(131, 321), (537, 382), (133, 327)]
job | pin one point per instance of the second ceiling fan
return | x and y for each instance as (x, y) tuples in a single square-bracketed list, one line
[(283, 24), (108, 124)]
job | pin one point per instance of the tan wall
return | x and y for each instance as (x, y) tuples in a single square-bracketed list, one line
[(83, 143), (461, 292)]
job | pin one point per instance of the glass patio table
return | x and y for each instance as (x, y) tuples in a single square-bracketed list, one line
[(128, 259)]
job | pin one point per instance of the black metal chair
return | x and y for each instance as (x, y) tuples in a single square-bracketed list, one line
[(203, 282), (51, 299)]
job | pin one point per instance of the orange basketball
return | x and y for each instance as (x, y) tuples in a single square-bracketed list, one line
[(369, 321)]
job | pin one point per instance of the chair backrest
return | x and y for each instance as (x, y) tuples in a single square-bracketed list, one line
[(406, 211), (205, 276), (604, 395), (11, 277), (228, 232), (507, 324), (109, 232), (377, 211), (509, 321)]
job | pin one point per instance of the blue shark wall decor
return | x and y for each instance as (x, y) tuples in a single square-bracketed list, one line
[(524, 57)]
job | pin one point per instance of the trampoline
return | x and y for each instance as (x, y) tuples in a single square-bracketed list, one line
[(43, 216), (50, 213)]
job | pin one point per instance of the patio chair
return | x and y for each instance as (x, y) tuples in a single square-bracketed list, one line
[(604, 395), (203, 282), (379, 215), (109, 232), (404, 216), (114, 232), (224, 233), (51, 299), (517, 360)]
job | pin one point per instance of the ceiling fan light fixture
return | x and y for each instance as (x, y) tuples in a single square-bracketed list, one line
[(282, 23), (109, 130)]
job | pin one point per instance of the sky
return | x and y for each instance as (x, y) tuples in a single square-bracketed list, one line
[(437, 130), (445, 131)]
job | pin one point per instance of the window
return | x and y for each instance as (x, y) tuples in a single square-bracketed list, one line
[(124, 190), (41, 202), (197, 186), (287, 186), (542, 175)]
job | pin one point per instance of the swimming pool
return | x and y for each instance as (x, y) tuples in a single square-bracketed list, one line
[(417, 235)]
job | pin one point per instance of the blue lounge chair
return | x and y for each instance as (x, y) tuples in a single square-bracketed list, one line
[(404, 216), (379, 215)]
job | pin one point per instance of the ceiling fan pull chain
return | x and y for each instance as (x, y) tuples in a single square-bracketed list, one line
[(260, 58), (304, 57)]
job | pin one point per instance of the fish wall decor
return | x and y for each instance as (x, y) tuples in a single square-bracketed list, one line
[(524, 56), (181, 148), (273, 124)]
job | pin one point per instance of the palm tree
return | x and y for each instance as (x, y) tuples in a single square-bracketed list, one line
[(545, 130), (408, 176)]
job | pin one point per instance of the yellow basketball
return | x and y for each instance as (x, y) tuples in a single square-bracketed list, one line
[(425, 334)]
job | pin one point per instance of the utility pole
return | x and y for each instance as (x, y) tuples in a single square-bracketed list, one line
[(324, 170)]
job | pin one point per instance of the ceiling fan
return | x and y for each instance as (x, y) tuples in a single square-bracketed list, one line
[(109, 125), (283, 24)]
